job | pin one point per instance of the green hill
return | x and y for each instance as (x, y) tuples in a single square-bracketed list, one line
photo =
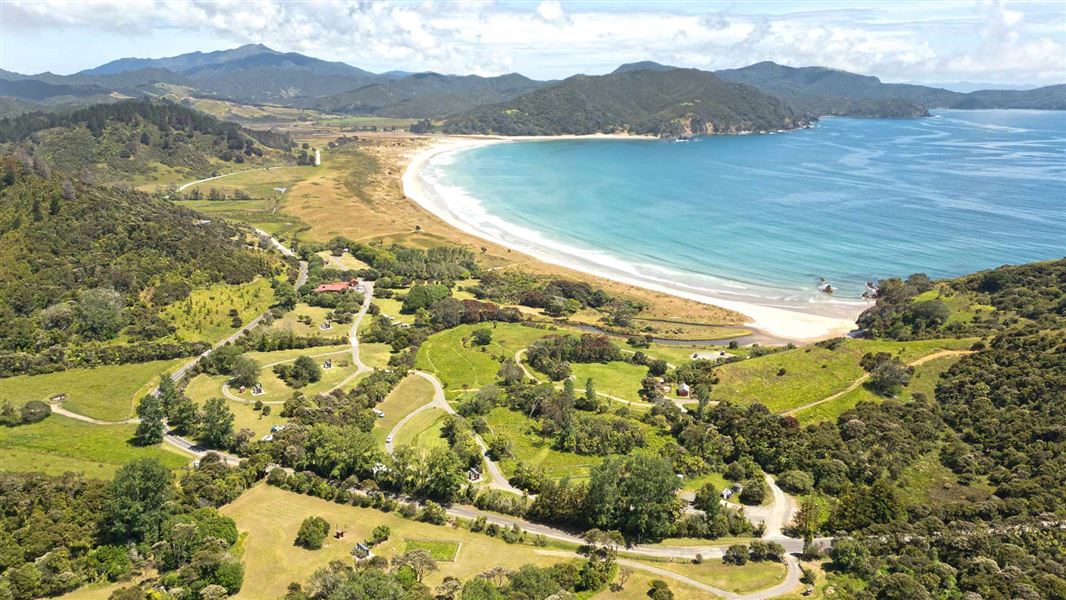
[(82, 263), (125, 140), (672, 102)]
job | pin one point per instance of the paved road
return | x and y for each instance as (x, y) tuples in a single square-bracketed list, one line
[(862, 380)]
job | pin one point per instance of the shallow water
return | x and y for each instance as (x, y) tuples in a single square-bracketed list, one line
[(767, 216)]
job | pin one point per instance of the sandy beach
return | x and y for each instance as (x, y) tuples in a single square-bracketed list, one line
[(789, 322)]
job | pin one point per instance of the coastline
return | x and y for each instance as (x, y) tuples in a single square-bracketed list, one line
[(791, 323)]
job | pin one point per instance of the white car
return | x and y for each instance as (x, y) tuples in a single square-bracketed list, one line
[(388, 440)]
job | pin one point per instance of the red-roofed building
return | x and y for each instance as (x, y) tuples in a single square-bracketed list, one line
[(340, 286)]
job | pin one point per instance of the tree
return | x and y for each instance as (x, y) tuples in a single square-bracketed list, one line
[(481, 588), (34, 411), (418, 561), (808, 576), (708, 499), (139, 494), (889, 377), (216, 425), (510, 373), (245, 372), (313, 531), (101, 313), (482, 337), (168, 392), (635, 494), (183, 415), (863, 506), (306, 370), (285, 296), (755, 491), (379, 534), (660, 591), (150, 429), (737, 554)]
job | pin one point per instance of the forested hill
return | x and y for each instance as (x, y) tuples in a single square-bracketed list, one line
[(824, 91), (120, 141), (83, 263), (672, 102), (977, 304)]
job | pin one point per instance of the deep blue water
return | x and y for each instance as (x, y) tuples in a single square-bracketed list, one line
[(849, 200)]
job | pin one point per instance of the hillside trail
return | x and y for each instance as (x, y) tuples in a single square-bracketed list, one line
[(861, 380)]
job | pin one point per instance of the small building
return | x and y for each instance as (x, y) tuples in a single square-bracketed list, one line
[(727, 493), (361, 551), (326, 325), (257, 389), (683, 390), (473, 474)]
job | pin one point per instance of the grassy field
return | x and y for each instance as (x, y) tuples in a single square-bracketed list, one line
[(461, 365), (345, 261), (269, 358), (929, 482), (440, 550), (412, 392), (58, 444), (258, 183), (375, 355), (105, 393), (750, 578), (365, 121), (261, 213), (618, 379), (923, 381), (531, 449), (423, 431), (812, 372), (204, 315), (317, 314), (391, 307), (271, 517), (276, 390), (204, 387)]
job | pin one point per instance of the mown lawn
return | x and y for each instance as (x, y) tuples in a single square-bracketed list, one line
[(107, 393), (461, 365), (423, 431), (375, 355), (291, 321), (205, 314), (276, 390), (812, 373), (440, 550), (414, 391), (204, 387), (391, 307), (618, 379), (922, 381), (58, 444), (271, 518), (345, 261), (258, 183), (741, 580)]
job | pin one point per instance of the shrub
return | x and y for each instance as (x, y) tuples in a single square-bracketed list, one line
[(754, 492), (796, 482), (313, 532), (737, 554)]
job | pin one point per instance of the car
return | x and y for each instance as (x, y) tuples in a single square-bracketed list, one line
[(388, 439)]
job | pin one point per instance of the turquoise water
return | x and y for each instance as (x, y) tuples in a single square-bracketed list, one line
[(766, 216)]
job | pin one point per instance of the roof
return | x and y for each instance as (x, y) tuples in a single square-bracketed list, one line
[(331, 287)]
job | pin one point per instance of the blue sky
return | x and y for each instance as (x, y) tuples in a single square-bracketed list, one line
[(922, 41)]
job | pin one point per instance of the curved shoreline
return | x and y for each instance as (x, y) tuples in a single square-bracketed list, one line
[(789, 323)]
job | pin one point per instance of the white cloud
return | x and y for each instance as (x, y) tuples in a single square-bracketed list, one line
[(989, 41)]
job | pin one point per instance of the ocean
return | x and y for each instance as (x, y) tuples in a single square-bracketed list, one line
[(766, 218)]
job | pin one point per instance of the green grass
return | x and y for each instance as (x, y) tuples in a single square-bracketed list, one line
[(391, 307), (741, 580), (263, 214), (366, 121), (345, 261), (618, 379), (812, 372), (375, 355), (59, 444), (258, 183), (923, 380), (274, 389), (928, 481), (106, 393), (529, 447), (204, 387), (460, 365), (412, 392), (423, 431), (204, 315), (317, 314), (444, 551)]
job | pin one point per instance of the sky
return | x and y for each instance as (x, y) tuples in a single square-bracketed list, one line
[(1010, 43)]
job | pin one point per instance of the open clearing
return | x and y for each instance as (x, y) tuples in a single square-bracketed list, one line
[(271, 518), (59, 444), (412, 392), (751, 577), (317, 314), (205, 314), (204, 387), (812, 372), (107, 393), (460, 365), (423, 431), (446, 551), (618, 379)]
